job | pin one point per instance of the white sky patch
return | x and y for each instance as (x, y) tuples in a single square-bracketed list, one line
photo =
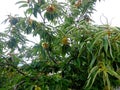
[(110, 9), (8, 7)]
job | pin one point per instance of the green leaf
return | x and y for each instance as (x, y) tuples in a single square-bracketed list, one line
[(98, 37), (23, 5), (28, 30), (51, 16), (81, 47), (92, 76), (19, 2), (105, 44), (92, 61), (106, 79), (12, 43), (29, 11), (113, 73)]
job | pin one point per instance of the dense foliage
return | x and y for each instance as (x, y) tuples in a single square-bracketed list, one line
[(71, 52)]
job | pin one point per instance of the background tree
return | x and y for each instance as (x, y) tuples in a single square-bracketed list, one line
[(72, 53)]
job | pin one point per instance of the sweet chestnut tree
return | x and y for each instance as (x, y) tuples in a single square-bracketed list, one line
[(71, 53)]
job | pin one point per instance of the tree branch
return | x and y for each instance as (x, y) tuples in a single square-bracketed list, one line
[(48, 53), (18, 70), (41, 16), (17, 85)]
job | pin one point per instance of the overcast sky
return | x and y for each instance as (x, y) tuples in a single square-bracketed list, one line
[(108, 8)]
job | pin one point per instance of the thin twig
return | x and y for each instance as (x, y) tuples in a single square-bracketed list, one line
[(17, 85), (41, 16), (51, 57)]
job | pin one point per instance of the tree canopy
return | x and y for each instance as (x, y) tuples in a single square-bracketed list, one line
[(71, 52)]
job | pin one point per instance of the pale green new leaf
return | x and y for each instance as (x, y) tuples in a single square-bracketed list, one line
[(113, 73), (92, 76)]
